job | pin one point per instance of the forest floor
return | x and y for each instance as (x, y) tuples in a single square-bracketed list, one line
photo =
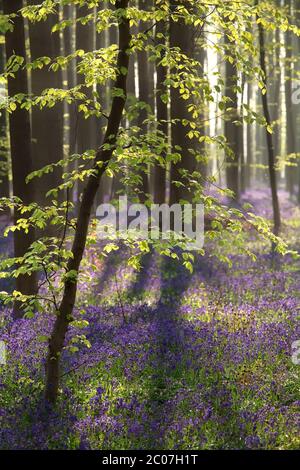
[(177, 360)]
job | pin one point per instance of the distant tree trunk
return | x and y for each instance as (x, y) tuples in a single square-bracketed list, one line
[(276, 101), (271, 156), (20, 145), (4, 180), (116, 183), (72, 114), (104, 153), (144, 92), (100, 43), (297, 7), (106, 182), (202, 167), (131, 77), (69, 47), (86, 128), (241, 143), (290, 115), (47, 124), (181, 35), (151, 102), (250, 129), (232, 132), (162, 121)]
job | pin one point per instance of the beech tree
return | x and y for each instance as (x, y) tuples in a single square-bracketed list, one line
[(144, 93), (181, 37), (271, 155), (290, 118), (101, 161), (20, 141), (162, 114), (232, 131), (4, 173)]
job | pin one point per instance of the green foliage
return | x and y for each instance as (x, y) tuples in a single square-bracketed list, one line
[(136, 152)]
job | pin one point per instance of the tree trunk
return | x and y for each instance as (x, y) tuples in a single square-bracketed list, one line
[(241, 143), (86, 128), (69, 48), (162, 121), (250, 130), (290, 116), (271, 156), (276, 115), (106, 183), (181, 35), (103, 156), (20, 145), (297, 15), (143, 81), (202, 166), (232, 133), (116, 183), (4, 180), (47, 124)]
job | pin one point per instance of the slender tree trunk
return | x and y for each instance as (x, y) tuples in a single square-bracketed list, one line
[(232, 133), (290, 116), (162, 120), (250, 129), (20, 145), (85, 40), (276, 72), (202, 166), (116, 183), (103, 156), (4, 179), (102, 92), (181, 35), (241, 144), (47, 124), (297, 15), (86, 130), (271, 156), (144, 91), (69, 48)]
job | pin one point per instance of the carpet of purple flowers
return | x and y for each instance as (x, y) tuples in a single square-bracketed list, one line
[(176, 360)]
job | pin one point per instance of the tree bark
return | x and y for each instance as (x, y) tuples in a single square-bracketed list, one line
[(250, 131), (276, 114), (290, 115), (162, 121), (69, 48), (4, 180), (20, 145), (297, 15), (103, 156), (86, 128), (231, 129), (242, 186), (202, 166), (143, 81), (102, 91), (271, 155), (181, 35), (47, 124)]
